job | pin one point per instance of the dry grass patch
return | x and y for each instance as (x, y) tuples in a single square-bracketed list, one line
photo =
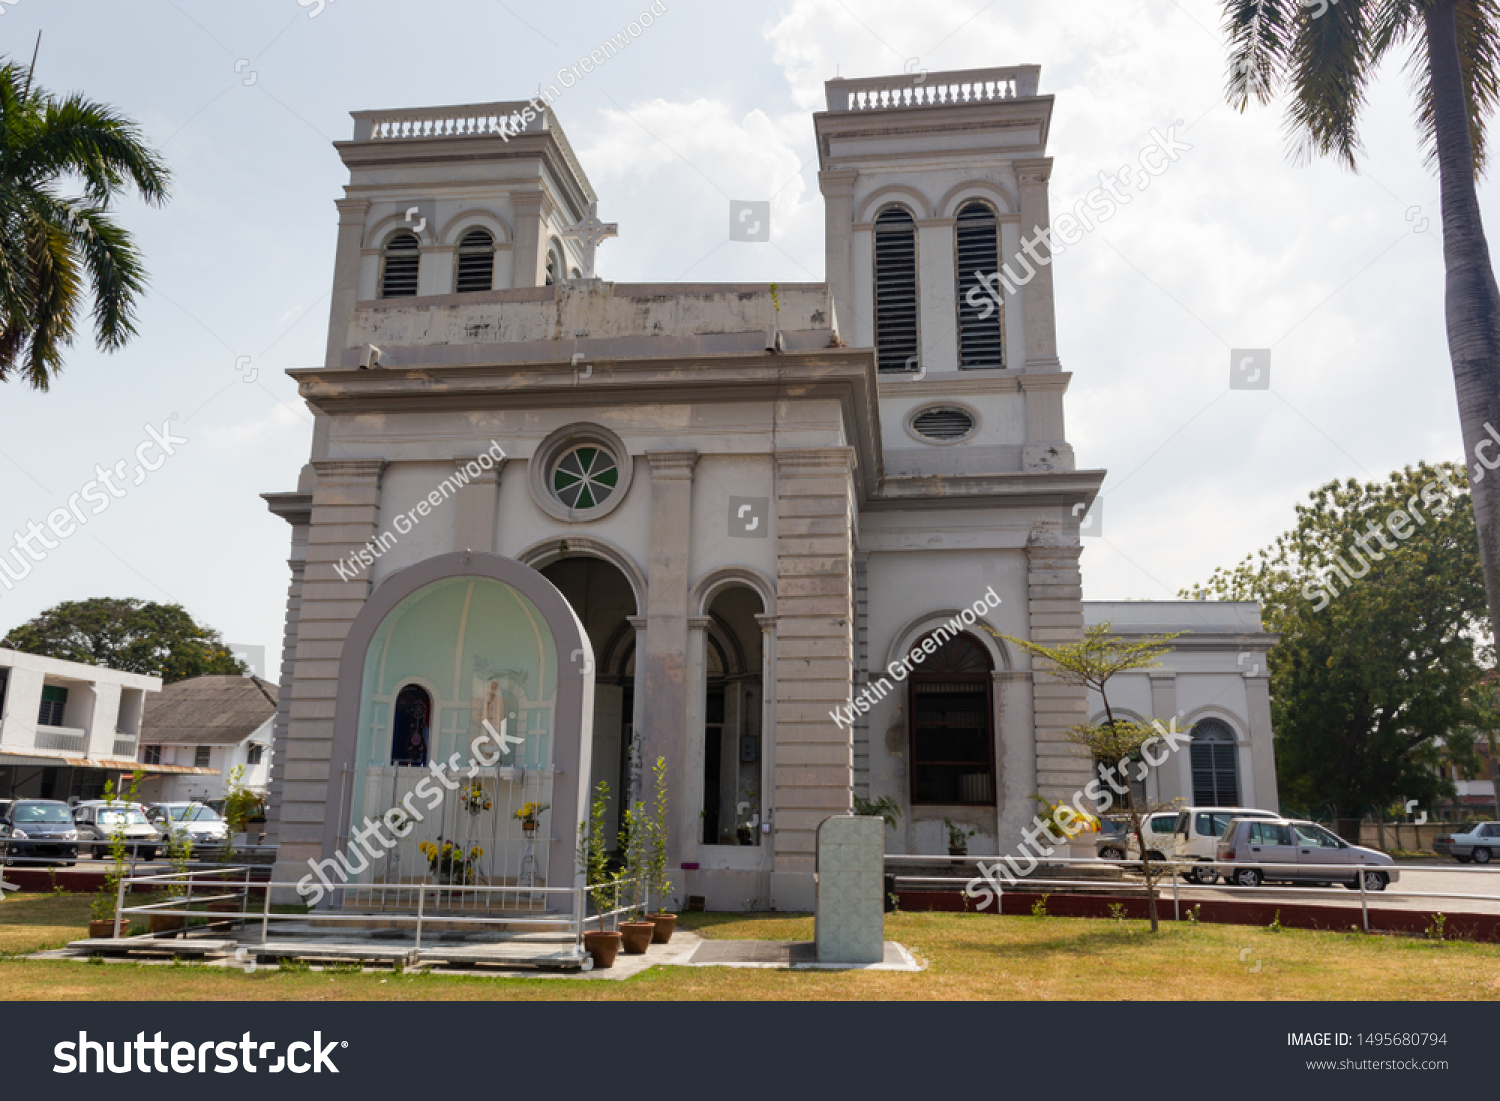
[(970, 957)]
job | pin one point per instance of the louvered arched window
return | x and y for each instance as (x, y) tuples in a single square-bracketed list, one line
[(896, 336), (398, 273), (981, 328), (476, 262), (1216, 781)]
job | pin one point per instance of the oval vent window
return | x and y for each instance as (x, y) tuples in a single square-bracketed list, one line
[(943, 423)]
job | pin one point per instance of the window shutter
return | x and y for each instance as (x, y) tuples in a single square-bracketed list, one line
[(896, 339), (201, 756), (981, 340), (403, 258), (476, 262)]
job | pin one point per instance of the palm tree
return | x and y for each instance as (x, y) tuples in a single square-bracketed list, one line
[(48, 241), (1323, 52)]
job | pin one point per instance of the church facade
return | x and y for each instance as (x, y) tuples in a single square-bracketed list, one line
[(795, 522)]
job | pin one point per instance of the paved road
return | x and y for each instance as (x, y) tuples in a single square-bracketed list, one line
[(1435, 878)]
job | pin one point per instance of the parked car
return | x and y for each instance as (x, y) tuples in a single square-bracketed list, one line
[(1158, 830), (1476, 841), (99, 820), (1289, 850), (1111, 843), (39, 830), (201, 824), (1197, 832)]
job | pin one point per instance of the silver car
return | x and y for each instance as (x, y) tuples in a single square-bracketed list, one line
[(1290, 850), (1477, 841), (99, 821)]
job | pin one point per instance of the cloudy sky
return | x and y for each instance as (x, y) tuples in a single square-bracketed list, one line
[(1235, 246)]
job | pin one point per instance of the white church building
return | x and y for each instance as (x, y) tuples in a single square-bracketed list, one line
[(746, 504)]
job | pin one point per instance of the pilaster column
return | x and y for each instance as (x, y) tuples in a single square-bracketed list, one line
[(666, 658), (640, 768), (692, 788), (814, 652), (1015, 755), (1041, 322), (346, 260), (1177, 779), (345, 513), (477, 503), (767, 729), (529, 260), (296, 510), (1054, 588), (838, 220), (1262, 758)]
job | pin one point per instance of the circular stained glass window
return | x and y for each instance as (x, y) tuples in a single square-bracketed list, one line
[(585, 477)]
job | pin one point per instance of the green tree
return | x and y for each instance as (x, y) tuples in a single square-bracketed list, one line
[(1381, 638), (49, 242), (1323, 55), (134, 635), (1118, 747)]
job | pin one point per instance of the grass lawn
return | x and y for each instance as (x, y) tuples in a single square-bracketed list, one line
[(970, 956)]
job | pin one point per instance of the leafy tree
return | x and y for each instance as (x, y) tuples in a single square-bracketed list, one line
[(1382, 638), (1323, 55), (49, 242), (1118, 747), (134, 635)]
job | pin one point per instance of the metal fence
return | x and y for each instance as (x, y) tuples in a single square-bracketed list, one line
[(1173, 873)]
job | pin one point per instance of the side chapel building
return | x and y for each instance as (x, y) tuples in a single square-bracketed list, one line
[(753, 499)]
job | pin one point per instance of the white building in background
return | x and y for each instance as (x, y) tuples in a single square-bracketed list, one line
[(202, 729), (757, 501), (66, 728)]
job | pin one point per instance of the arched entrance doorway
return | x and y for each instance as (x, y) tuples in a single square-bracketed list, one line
[(604, 600)]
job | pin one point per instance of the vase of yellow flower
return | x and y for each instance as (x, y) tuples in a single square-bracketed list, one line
[(1078, 828), (530, 815), (474, 799), (449, 863)]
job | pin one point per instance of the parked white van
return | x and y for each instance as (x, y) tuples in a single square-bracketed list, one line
[(1197, 832)]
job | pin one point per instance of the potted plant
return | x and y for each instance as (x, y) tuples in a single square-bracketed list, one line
[(1065, 821), (180, 853), (885, 807), (958, 837), (654, 859), (104, 921), (603, 887), (449, 862), (637, 932), (530, 816)]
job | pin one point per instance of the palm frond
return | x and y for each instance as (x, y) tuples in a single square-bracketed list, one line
[(55, 291), (1328, 72), (1260, 37), (1479, 61)]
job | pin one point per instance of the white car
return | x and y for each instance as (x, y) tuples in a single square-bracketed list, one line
[(201, 824), (1477, 841)]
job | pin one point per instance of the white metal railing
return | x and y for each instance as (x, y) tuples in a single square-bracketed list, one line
[(1173, 869), (925, 89), (221, 886), (65, 738)]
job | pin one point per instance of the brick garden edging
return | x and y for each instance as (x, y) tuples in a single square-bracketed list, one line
[(1480, 927)]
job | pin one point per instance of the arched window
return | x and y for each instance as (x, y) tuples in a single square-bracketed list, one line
[(896, 343), (952, 726), (1215, 765), (555, 265), (476, 262), (981, 328), (411, 724), (398, 274)]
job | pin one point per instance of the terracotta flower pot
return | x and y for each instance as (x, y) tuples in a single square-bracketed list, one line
[(665, 924), (165, 923), (530, 825), (637, 936), (104, 927), (602, 945)]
